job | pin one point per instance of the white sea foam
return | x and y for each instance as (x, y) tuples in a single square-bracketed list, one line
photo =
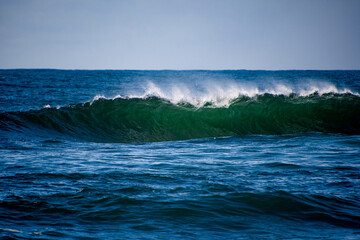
[(311, 87), (97, 97), (221, 94)]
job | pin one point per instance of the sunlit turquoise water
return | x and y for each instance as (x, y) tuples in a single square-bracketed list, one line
[(179, 154)]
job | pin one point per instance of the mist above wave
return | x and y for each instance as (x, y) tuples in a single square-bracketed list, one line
[(222, 94)]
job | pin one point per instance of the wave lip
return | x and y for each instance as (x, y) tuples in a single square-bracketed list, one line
[(222, 95)]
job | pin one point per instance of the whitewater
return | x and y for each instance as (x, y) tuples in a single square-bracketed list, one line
[(179, 154)]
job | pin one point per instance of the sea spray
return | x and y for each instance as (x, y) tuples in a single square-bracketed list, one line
[(222, 94)]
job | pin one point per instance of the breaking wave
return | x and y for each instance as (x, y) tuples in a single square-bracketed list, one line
[(158, 117)]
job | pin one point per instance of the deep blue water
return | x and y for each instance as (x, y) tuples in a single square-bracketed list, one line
[(179, 154)]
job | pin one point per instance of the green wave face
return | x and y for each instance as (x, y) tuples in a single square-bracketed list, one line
[(154, 119)]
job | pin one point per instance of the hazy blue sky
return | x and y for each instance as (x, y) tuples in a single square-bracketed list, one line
[(180, 34)]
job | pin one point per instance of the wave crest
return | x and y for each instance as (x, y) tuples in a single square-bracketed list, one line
[(223, 94)]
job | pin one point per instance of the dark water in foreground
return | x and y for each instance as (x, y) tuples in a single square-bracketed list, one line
[(179, 154)]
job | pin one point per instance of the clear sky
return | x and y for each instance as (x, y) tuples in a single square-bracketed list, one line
[(180, 34)]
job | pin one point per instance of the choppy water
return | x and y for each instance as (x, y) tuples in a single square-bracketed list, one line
[(179, 154)]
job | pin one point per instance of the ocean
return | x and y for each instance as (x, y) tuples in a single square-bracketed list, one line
[(122, 154)]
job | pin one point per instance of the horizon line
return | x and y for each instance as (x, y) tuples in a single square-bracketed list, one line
[(165, 69)]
